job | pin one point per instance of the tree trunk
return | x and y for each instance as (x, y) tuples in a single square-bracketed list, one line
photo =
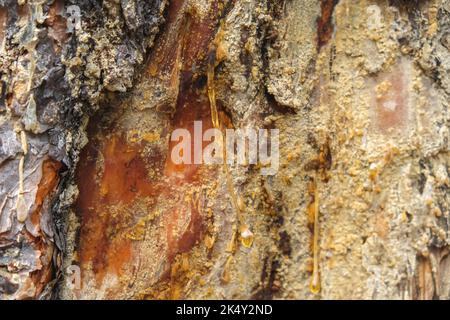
[(93, 205)]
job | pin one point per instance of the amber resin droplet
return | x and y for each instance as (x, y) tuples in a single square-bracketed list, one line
[(246, 237)]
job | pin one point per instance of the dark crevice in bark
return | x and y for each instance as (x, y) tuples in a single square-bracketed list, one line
[(325, 25), (269, 285), (267, 36)]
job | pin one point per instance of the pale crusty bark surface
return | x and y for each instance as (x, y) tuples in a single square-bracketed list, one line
[(358, 89)]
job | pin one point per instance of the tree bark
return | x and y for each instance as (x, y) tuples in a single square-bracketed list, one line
[(359, 206)]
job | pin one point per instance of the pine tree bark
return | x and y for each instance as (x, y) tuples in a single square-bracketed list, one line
[(359, 207)]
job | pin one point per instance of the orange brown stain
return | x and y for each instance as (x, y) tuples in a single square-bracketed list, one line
[(325, 22), (191, 106), (164, 56), (49, 181), (47, 186), (192, 103), (396, 96), (121, 179), (114, 173)]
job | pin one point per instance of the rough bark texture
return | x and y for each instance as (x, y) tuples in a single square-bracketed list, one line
[(358, 89)]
